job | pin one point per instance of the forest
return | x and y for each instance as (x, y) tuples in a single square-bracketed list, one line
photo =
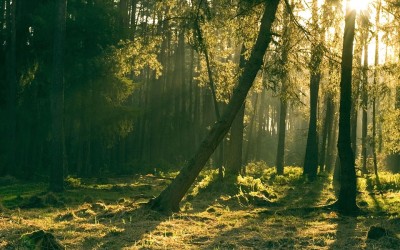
[(200, 124)]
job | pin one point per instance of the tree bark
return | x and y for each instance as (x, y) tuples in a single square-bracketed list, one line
[(325, 132), (234, 161), (280, 152), (332, 139), (263, 111), (376, 63), (250, 135), (234, 165), (311, 155), (57, 101), (203, 48), (348, 186), (356, 82), (11, 77), (364, 102), (169, 199)]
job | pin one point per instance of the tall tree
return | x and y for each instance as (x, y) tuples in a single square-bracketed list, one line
[(234, 161), (170, 197), (57, 101), (376, 62), (11, 77), (311, 156), (280, 152), (211, 83), (348, 186), (365, 26)]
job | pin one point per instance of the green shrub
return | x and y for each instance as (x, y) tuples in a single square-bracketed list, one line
[(387, 181), (73, 181)]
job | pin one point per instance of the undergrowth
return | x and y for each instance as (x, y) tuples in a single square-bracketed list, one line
[(261, 210)]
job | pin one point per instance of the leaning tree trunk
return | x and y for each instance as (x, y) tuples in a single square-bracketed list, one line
[(57, 101), (348, 188), (168, 200)]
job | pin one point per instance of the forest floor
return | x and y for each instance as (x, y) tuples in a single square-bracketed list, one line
[(260, 211)]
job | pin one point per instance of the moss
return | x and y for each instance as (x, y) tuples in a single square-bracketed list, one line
[(40, 240)]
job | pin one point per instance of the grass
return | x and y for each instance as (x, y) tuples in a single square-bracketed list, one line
[(258, 211)]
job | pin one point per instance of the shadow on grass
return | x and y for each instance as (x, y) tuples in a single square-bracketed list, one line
[(275, 229), (304, 192), (346, 236), (298, 202), (128, 229), (288, 191), (106, 215)]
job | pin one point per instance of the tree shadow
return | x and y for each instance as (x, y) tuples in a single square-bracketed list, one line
[(310, 194), (346, 236), (274, 229), (372, 192), (129, 228)]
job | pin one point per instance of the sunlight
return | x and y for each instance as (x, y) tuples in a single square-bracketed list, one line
[(359, 5)]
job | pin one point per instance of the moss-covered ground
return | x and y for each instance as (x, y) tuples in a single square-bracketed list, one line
[(259, 211)]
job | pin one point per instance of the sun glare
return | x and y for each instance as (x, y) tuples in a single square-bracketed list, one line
[(359, 5)]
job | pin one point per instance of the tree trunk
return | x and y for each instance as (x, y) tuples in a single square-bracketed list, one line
[(170, 197), (356, 93), (280, 153), (326, 133), (364, 103), (133, 19), (332, 140), (378, 10), (262, 116), (250, 134), (203, 48), (234, 165), (11, 77), (57, 101), (234, 161), (348, 186), (311, 157)]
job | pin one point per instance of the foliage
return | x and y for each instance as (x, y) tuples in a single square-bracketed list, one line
[(387, 182), (391, 131)]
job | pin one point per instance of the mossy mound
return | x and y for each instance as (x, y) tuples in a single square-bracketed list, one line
[(40, 240)]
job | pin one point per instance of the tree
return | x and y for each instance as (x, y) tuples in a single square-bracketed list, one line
[(376, 62), (57, 101), (364, 103), (286, 43), (11, 78), (348, 186), (311, 156), (234, 161), (169, 199)]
